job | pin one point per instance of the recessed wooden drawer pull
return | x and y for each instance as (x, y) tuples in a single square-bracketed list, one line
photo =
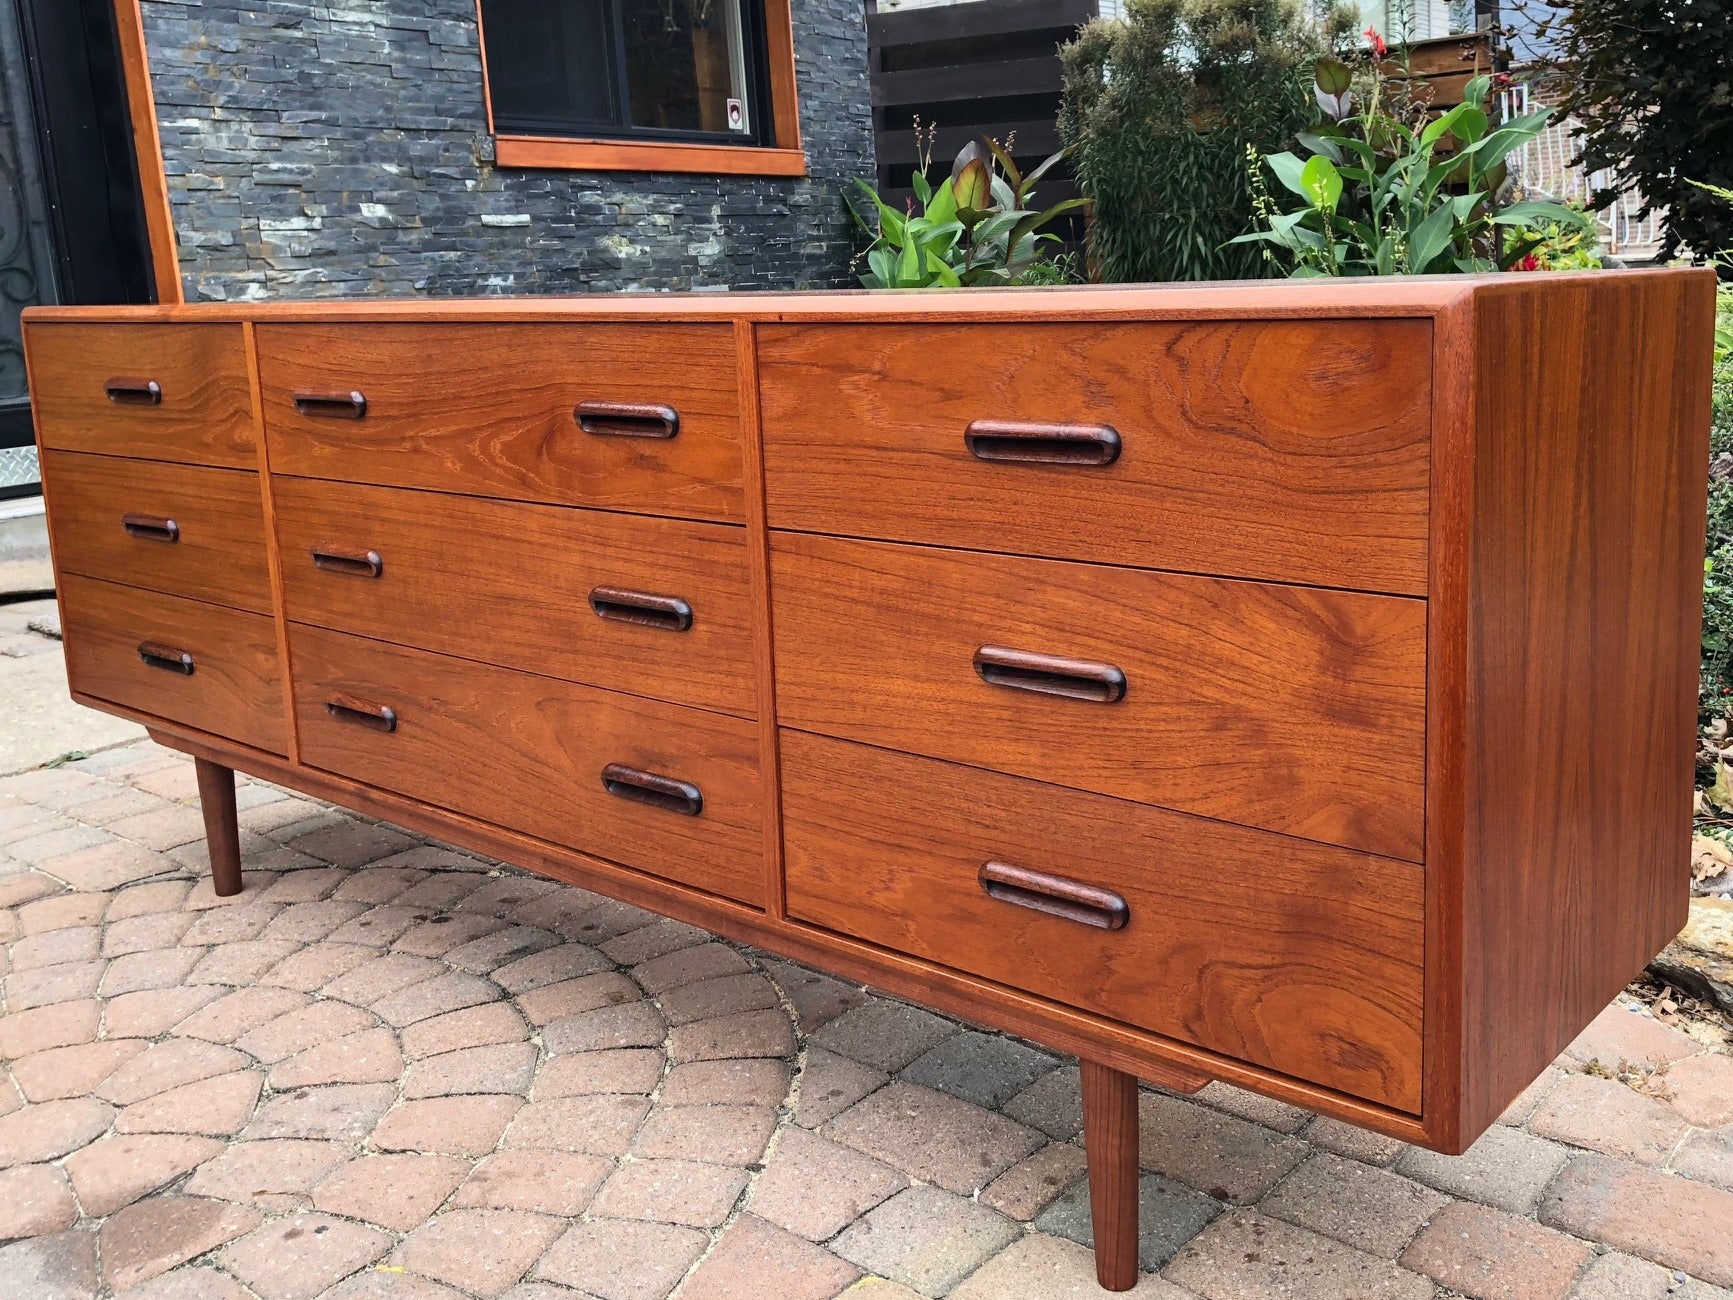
[(340, 559), (642, 608), (331, 406), (363, 713), (1055, 895), (1075, 679), (167, 657), (134, 392), (1017, 443), (648, 787), (627, 419), (152, 528)]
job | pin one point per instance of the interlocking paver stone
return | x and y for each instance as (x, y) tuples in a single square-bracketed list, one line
[(503, 1068), (51, 1130), (1373, 1209), (987, 1069), (1050, 1268), (1701, 1089), (815, 1187), (215, 1107), (622, 1260), (46, 985), (747, 1033), (71, 1071), (756, 1259), (1053, 1104), (935, 1138), (480, 1251), (167, 1065), (625, 1070), (1707, 1157), (671, 1191), (689, 966), (818, 999), (925, 1238), (1491, 1255), (1030, 1186), (1507, 1169), (274, 1174), (35, 1200), (1672, 1221), (1626, 1036), (481, 1026), (1278, 1115), (371, 1056), (1606, 1116), (573, 997), (547, 1182), (455, 1126), (190, 1283), (550, 966), (884, 1034), (1354, 1142), (65, 1024), (654, 940), (395, 1191), (601, 1125), (1220, 1155), (301, 1257), (116, 1171), (729, 1135), (144, 933), (238, 1013), (756, 1082), (154, 1235), (730, 995), (1245, 1256), (1169, 1215), (60, 1267), (340, 1112)]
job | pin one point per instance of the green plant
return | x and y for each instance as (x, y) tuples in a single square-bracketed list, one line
[(1159, 108), (975, 227), (1384, 195), (1555, 247), (1649, 86)]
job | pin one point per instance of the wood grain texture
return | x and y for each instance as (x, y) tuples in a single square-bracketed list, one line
[(204, 418), (528, 752), (222, 825), (218, 555), (1169, 1064), (1290, 708), (1584, 588), (1294, 956), (1110, 1139), (147, 150), (273, 560), (487, 410), (564, 153), (1289, 451), (235, 689), (509, 583)]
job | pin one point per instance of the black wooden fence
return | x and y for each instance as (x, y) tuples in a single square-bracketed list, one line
[(986, 67)]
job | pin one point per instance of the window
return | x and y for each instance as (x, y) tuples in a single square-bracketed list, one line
[(680, 85)]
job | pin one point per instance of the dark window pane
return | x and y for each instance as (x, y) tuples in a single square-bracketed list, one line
[(547, 64), (686, 65)]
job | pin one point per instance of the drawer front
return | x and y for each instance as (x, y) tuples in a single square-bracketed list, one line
[(491, 409), (1290, 708), (187, 530), (657, 607), (529, 753), (159, 392), (1288, 450), (206, 666), (1301, 958)]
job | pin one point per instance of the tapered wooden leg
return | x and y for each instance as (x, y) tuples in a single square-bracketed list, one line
[(222, 828), (1110, 1138)]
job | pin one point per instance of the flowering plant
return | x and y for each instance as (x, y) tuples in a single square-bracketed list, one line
[(1388, 192)]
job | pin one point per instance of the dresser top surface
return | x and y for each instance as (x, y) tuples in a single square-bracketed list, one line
[(1394, 296)]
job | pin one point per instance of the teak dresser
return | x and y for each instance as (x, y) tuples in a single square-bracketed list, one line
[(1288, 684)]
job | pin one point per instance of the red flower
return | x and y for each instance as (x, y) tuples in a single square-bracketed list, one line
[(1378, 46), (1529, 263)]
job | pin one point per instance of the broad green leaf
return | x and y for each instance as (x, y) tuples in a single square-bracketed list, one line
[(1288, 169), (923, 187), (1431, 239), (1321, 182), (972, 188), (1538, 210), (942, 203), (1332, 75)]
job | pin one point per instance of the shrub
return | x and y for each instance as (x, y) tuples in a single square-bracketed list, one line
[(1159, 109), (1715, 687), (1650, 83)]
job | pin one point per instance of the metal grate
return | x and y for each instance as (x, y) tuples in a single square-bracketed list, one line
[(18, 468)]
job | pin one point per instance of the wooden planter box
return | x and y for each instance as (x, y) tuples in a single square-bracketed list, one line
[(1288, 684)]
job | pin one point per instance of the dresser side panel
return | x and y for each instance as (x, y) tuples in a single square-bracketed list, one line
[(1583, 618)]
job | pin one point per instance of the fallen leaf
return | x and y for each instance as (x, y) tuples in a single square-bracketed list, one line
[(1709, 857)]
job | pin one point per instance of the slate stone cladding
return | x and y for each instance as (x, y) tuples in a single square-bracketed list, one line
[(342, 149)]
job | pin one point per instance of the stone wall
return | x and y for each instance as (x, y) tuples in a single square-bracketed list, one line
[(341, 148)]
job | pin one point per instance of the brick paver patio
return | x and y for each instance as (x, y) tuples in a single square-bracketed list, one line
[(392, 1071)]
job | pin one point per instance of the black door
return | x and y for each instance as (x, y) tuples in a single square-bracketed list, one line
[(71, 219)]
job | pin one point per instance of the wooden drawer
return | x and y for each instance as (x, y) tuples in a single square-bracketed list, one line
[(529, 753), (161, 392), (491, 409), (513, 584), (1289, 450), (202, 665), (183, 529), (1291, 708), (1298, 957)]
